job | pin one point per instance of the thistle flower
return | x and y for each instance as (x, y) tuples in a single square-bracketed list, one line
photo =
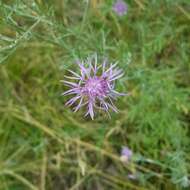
[(126, 154), (94, 86), (120, 7)]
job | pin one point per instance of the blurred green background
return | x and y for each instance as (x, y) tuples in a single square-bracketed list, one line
[(44, 145)]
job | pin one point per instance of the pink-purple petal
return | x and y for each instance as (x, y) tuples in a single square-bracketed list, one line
[(90, 110), (71, 91), (79, 105), (72, 101)]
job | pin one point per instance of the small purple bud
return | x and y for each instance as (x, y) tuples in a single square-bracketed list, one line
[(120, 8), (126, 154), (132, 176)]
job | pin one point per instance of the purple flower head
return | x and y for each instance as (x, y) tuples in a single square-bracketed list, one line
[(120, 8), (126, 154), (94, 86)]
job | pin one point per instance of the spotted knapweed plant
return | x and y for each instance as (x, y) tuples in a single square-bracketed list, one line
[(94, 87), (120, 7)]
